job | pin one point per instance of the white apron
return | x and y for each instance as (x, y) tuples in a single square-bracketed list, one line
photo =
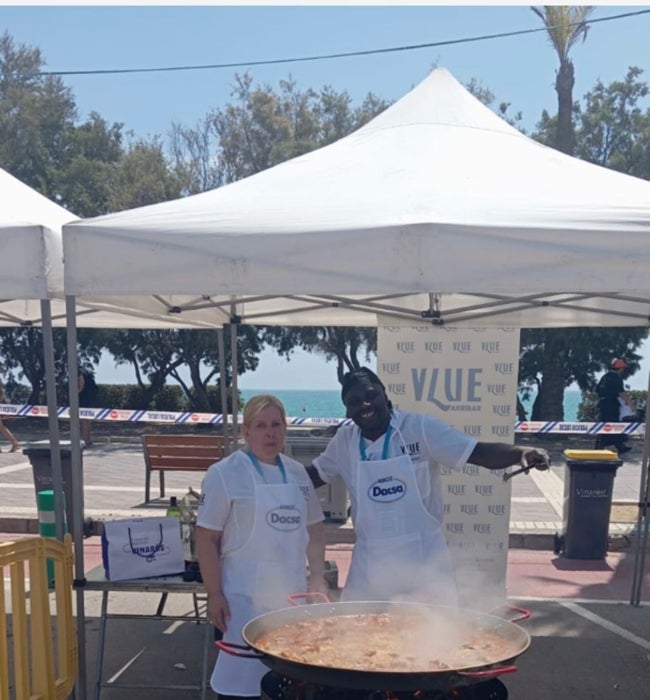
[(258, 577), (401, 552)]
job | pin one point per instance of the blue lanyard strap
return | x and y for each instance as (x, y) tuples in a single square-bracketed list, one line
[(384, 450), (260, 471)]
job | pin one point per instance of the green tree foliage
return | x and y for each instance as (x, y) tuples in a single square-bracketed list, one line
[(192, 156), (86, 166), (349, 347), (158, 355), (22, 353), (262, 127), (36, 117), (83, 181), (613, 129), (612, 126), (573, 355), (142, 176)]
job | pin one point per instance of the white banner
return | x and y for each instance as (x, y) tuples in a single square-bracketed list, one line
[(468, 378)]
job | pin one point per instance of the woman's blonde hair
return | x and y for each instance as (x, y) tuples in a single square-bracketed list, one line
[(260, 402)]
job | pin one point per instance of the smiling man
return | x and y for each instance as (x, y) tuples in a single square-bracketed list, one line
[(390, 462)]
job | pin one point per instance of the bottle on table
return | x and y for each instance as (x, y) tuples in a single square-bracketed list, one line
[(173, 511)]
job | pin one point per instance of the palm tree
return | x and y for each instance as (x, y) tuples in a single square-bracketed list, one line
[(565, 26)]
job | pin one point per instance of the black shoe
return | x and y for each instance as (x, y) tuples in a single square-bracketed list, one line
[(623, 449)]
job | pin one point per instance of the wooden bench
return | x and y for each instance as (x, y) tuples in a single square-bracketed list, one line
[(178, 453)]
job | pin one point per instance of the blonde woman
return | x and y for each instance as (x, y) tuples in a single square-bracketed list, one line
[(259, 524)]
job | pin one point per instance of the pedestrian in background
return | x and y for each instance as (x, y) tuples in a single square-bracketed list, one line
[(88, 391), (612, 396), (15, 445)]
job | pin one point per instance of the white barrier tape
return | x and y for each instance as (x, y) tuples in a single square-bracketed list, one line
[(118, 414), (537, 427)]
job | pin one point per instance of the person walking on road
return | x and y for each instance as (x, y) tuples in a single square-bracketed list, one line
[(15, 445), (611, 397), (88, 391)]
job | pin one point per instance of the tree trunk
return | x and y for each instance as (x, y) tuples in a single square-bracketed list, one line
[(521, 411), (565, 137), (550, 398)]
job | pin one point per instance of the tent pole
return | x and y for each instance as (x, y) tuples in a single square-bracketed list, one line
[(52, 418), (643, 522), (77, 491), (224, 391), (235, 394)]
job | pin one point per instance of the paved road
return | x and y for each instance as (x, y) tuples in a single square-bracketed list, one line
[(114, 487)]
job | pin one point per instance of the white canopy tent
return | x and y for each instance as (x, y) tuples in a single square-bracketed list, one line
[(436, 209), (435, 195), (31, 273), (31, 266)]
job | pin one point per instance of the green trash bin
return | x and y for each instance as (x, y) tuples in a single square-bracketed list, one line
[(588, 490)]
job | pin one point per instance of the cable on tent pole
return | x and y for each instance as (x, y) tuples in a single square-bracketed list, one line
[(223, 390), (77, 491), (52, 419), (643, 522), (234, 320)]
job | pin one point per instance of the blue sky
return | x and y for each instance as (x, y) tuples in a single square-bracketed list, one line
[(517, 69)]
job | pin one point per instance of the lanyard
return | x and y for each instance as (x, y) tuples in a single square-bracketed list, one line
[(384, 450), (260, 471)]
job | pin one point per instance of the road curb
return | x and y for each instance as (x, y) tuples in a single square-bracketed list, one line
[(344, 534)]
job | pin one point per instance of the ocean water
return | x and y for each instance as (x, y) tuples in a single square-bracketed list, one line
[(571, 402), (305, 403), (308, 403)]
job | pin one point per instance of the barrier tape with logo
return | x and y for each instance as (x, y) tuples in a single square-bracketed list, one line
[(129, 416)]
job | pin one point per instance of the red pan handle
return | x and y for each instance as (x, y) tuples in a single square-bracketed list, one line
[(488, 673), (519, 613), (295, 597), (522, 612), (231, 648)]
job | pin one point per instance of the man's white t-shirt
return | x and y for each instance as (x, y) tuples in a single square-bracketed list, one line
[(429, 442), (228, 496)]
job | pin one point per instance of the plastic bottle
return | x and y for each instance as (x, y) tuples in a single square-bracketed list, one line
[(174, 511)]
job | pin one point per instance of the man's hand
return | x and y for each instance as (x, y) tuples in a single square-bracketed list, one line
[(535, 458)]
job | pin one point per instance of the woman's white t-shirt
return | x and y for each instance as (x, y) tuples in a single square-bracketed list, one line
[(228, 496)]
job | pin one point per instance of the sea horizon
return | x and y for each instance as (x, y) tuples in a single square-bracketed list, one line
[(326, 403)]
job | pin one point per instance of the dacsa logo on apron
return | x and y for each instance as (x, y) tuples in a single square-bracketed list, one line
[(387, 490), (284, 518)]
